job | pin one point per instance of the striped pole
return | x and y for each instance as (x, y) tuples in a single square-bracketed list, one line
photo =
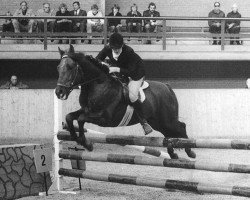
[(159, 183), (164, 142), (143, 149), (164, 162)]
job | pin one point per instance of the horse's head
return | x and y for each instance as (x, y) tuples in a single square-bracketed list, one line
[(69, 73)]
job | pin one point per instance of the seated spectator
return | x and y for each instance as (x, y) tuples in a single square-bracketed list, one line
[(94, 24), (23, 25), (14, 84), (215, 25), (7, 25), (47, 12), (134, 25), (115, 23), (78, 25), (63, 25), (233, 26), (151, 25)]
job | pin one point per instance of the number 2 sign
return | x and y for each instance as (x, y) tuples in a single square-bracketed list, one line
[(43, 159)]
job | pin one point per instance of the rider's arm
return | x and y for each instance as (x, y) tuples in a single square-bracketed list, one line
[(102, 54)]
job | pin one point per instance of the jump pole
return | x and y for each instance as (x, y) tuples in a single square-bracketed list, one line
[(158, 183), (243, 144), (162, 162)]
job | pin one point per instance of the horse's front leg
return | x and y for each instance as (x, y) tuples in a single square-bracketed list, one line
[(70, 126), (82, 139)]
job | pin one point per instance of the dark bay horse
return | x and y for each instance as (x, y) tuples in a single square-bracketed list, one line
[(102, 100)]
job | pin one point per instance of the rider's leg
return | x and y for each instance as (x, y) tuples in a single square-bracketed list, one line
[(134, 87)]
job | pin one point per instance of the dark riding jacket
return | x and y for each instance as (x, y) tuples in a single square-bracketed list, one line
[(129, 62)]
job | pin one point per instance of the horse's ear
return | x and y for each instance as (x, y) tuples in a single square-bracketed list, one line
[(71, 49), (61, 51)]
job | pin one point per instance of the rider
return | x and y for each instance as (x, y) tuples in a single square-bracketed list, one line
[(131, 65)]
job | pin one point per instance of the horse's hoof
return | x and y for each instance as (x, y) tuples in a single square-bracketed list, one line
[(191, 154), (89, 146), (64, 126), (86, 144), (174, 156)]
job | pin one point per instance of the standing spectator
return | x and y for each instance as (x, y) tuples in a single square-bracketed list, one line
[(7, 25), (14, 84), (151, 25), (78, 25), (115, 23), (63, 25), (94, 24), (215, 25), (134, 24), (46, 12), (233, 26), (27, 25)]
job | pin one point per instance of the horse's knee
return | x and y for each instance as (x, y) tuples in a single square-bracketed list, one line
[(69, 117), (81, 119)]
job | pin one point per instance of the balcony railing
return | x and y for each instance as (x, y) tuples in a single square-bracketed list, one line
[(165, 34)]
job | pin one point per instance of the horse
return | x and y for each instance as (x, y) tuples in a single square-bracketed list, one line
[(103, 101)]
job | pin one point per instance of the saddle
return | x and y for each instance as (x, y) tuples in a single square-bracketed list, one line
[(124, 82)]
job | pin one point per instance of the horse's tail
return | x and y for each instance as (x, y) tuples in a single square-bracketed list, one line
[(175, 101)]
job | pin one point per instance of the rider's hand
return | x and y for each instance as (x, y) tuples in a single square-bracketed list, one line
[(114, 69)]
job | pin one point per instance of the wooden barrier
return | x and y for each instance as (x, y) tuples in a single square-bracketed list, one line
[(164, 142), (18, 176), (164, 162), (159, 183)]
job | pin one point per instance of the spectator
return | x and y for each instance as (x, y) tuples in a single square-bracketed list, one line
[(63, 25), (115, 23), (215, 25), (134, 25), (233, 26), (47, 12), (94, 24), (26, 25), (7, 25), (78, 24), (151, 25), (14, 84)]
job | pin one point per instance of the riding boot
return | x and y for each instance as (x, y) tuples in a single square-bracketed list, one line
[(139, 111)]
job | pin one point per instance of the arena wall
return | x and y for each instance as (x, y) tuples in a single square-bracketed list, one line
[(194, 8), (208, 113)]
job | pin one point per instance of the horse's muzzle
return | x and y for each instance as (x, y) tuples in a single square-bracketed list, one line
[(62, 92)]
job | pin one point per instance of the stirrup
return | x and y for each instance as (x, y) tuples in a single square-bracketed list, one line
[(147, 128)]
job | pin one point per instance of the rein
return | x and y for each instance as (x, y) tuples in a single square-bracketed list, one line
[(72, 84)]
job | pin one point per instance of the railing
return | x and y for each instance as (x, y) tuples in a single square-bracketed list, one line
[(165, 34)]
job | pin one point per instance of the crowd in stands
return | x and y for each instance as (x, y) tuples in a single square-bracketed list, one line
[(231, 26), (96, 25)]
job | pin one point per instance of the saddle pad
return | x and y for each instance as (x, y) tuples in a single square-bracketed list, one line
[(127, 116), (142, 96)]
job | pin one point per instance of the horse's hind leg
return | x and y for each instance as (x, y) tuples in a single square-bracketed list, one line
[(176, 130), (188, 151), (70, 126)]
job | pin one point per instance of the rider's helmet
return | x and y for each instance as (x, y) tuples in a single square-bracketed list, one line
[(116, 41)]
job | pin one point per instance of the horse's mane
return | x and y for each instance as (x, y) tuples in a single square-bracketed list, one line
[(81, 58)]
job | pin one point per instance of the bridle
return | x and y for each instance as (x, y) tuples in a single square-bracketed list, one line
[(78, 70)]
